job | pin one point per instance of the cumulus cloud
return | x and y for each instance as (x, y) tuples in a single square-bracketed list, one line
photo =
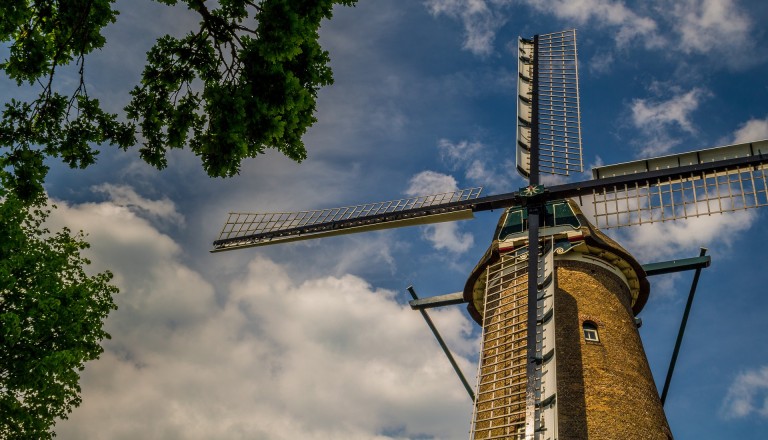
[(263, 356), (719, 29), (747, 395), (443, 236), (456, 153), (707, 26), (123, 195), (752, 130), (630, 26), (661, 241), (715, 231), (601, 63), (483, 18), (675, 110), (658, 118), (477, 162), (481, 21)]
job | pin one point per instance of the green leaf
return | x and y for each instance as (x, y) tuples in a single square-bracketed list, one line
[(52, 314)]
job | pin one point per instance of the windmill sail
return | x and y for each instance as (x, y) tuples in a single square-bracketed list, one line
[(548, 115), (502, 407), (646, 191), (255, 229), (672, 195)]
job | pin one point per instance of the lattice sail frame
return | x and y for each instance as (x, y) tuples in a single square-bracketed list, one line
[(501, 409), (250, 229), (549, 104), (694, 195), (559, 115), (500, 405)]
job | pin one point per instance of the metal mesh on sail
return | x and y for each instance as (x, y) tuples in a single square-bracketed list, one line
[(241, 224)]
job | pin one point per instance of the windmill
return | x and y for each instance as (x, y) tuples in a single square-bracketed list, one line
[(548, 141)]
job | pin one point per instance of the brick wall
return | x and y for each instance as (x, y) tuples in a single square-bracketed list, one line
[(605, 388)]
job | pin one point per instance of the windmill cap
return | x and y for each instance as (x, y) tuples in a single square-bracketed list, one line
[(593, 243)]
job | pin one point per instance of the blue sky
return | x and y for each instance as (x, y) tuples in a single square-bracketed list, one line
[(313, 340)]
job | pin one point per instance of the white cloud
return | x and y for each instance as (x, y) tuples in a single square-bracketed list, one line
[(675, 110), (631, 25), (267, 356), (752, 130), (747, 395), (601, 63), (480, 19), (657, 119), (457, 153), (664, 240), (364, 251), (443, 236), (707, 26), (483, 18), (123, 195), (477, 163), (719, 29), (431, 182), (660, 241)]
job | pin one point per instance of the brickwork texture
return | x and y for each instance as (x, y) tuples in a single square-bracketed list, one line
[(605, 389)]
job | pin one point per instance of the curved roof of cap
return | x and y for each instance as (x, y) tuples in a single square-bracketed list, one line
[(597, 244)]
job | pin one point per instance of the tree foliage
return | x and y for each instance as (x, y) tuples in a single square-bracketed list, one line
[(265, 76), (245, 80), (51, 316)]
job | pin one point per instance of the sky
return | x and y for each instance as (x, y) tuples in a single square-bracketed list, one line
[(314, 339)]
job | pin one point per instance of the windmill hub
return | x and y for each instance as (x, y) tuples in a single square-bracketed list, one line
[(531, 191)]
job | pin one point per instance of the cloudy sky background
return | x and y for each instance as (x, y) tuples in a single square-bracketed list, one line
[(314, 340)]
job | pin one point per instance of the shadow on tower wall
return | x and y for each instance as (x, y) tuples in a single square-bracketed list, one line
[(571, 402)]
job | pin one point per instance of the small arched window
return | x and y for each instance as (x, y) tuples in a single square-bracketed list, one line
[(590, 332)]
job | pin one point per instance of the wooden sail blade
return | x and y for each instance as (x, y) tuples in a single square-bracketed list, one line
[(525, 81), (257, 229), (740, 182)]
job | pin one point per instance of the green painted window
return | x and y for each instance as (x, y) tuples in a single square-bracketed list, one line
[(560, 214), (515, 223), (557, 214)]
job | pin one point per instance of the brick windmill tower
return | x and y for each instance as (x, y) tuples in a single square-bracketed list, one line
[(593, 379), (561, 357)]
